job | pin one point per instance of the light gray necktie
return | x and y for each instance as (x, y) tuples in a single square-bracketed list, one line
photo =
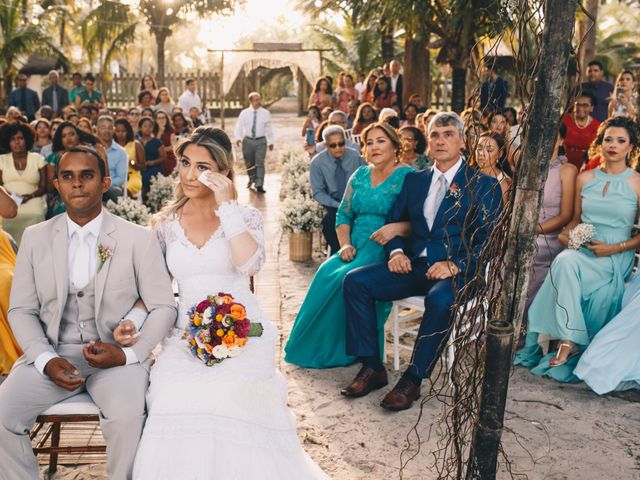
[(80, 270), (441, 190)]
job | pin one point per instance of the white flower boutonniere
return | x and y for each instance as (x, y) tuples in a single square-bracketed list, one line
[(104, 253)]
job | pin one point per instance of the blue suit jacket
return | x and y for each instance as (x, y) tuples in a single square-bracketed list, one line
[(462, 225), (32, 102)]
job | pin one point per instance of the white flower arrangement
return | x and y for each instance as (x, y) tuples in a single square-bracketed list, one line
[(581, 234), (299, 212), (160, 192), (131, 210)]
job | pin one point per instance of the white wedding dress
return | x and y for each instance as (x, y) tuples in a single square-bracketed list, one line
[(229, 421)]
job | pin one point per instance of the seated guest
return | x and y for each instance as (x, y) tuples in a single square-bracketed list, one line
[(383, 95), (611, 362), (365, 116), (583, 290), (410, 114), (312, 121), (318, 336), (123, 134), (339, 119), (413, 147), (145, 100), (117, 160), (42, 140), (624, 101), (451, 210), (9, 348), (556, 211), (329, 173), (490, 154), (582, 129), (24, 175)]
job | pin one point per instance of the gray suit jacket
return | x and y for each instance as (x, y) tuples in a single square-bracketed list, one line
[(136, 269)]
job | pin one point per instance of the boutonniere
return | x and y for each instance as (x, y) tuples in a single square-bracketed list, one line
[(454, 191), (104, 253)]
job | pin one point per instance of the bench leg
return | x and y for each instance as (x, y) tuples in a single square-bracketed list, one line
[(55, 443), (396, 337)]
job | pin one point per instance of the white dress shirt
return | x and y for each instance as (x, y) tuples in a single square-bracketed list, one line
[(431, 196), (394, 83), (93, 232), (189, 99), (263, 124)]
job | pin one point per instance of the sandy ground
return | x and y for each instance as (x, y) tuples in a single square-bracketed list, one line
[(552, 432)]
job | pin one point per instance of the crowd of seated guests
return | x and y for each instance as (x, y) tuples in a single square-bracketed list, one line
[(577, 311)]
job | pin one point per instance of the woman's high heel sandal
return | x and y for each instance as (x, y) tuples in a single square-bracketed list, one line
[(573, 350)]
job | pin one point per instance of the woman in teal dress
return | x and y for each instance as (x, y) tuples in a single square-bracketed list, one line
[(584, 288), (318, 337)]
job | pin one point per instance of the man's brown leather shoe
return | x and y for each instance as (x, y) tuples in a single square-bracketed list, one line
[(366, 381), (401, 397)]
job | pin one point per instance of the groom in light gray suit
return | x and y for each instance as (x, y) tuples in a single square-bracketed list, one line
[(76, 277)]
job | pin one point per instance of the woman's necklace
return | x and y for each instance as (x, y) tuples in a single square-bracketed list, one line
[(20, 163), (585, 125)]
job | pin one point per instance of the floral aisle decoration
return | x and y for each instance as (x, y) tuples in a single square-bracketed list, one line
[(131, 210), (160, 192), (218, 329), (300, 214)]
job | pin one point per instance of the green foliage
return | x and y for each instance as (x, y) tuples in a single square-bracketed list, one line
[(617, 38)]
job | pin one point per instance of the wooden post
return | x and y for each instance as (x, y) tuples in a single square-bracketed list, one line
[(538, 146), (222, 91)]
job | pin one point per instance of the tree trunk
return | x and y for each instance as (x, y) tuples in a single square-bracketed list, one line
[(386, 41), (417, 75), (458, 88), (588, 37), (538, 146), (161, 38)]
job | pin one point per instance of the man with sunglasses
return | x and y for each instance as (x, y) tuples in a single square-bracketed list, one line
[(330, 171)]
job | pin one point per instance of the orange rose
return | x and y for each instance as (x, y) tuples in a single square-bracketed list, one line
[(241, 342), (229, 339), (237, 312), (227, 299)]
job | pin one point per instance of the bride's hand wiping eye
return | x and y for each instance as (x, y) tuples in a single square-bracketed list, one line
[(221, 185)]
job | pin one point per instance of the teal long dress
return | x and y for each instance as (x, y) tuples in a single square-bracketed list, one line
[(583, 292), (318, 337)]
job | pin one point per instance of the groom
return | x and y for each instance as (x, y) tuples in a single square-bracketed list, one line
[(452, 209), (76, 276)]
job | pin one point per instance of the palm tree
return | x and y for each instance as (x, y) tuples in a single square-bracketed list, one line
[(162, 18), (19, 39), (107, 37)]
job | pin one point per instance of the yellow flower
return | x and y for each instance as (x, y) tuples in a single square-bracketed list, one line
[(197, 320), (199, 351), (218, 317), (220, 332)]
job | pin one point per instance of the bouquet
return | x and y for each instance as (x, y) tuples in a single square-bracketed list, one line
[(218, 329), (580, 235)]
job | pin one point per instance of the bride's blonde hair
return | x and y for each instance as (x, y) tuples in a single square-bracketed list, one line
[(219, 147)]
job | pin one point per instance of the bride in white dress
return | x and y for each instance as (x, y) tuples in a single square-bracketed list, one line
[(228, 421)]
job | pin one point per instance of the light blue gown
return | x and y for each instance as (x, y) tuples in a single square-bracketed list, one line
[(318, 337), (583, 292), (612, 360)]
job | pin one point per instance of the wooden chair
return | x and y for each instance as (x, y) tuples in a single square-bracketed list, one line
[(79, 408)]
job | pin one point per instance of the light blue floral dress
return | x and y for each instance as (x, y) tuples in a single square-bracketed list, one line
[(318, 337)]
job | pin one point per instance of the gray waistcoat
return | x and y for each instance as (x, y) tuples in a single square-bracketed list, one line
[(78, 323)]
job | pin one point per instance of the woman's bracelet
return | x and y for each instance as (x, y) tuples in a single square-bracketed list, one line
[(623, 245), (344, 247)]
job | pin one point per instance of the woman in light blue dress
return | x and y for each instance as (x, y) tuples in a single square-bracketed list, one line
[(318, 337), (584, 288), (612, 360)]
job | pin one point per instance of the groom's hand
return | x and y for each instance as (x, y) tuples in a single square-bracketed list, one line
[(104, 355), (399, 263), (63, 374)]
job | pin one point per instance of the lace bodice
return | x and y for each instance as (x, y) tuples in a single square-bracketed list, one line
[(209, 269)]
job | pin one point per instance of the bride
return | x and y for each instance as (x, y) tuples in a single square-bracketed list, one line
[(228, 421)]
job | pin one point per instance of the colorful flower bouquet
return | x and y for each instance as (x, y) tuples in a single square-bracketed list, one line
[(219, 328)]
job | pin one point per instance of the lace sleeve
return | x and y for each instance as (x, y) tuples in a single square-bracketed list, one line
[(345, 214), (235, 220), (160, 230)]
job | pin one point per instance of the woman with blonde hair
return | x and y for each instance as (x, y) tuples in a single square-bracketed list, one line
[(318, 337), (213, 244)]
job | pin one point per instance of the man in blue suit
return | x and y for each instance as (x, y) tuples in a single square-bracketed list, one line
[(452, 209), (24, 98)]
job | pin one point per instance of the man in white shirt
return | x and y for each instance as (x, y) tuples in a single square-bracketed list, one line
[(190, 98), (360, 85), (396, 80), (76, 277), (254, 132)]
